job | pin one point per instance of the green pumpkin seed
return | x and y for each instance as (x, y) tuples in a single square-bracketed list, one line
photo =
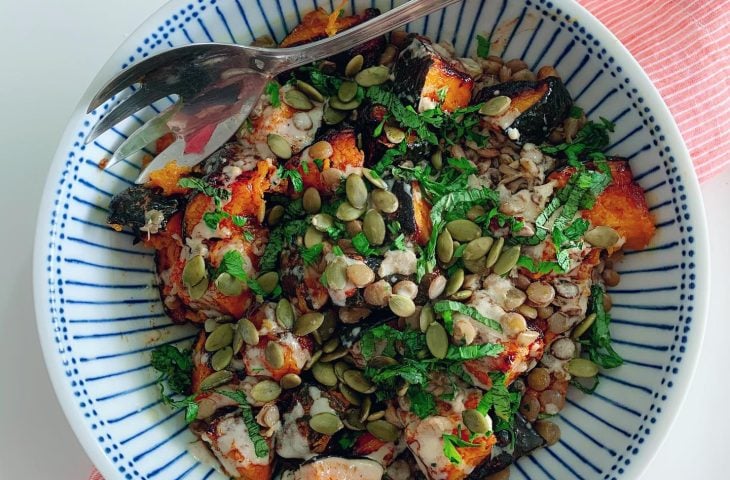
[(582, 368), (229, 285), (325, 423), (275, 215), (464, 230), (495, 252), (221, 358), (383, 430), (329, 324), (426, 317), (197, 291), (338, 353), (323, 222), (307, 323), (311, 201), (331, 345), (456, 280), (357, 381), (360, 274), (602, 237), (324, 373), (475, 421), (583, 326), (338, 104), (374, 178), (365, 406), (402, 387), (381, 361), (279, 146), (274, 354), (347, 91), (477, 248), (194, 271), (462, 295), (340, 368), (384, 201), (268, 281), (336, 273), (237, 343), (317, 338), (495, 106), (347, 212), (313, 360), (437, 340), (216, 379), (297, 100), (210, 325), (310, 91), (266, 391), (285, 313), (372, 76), (437, 160), (354, 66), (248, 331), (350, 395), (394, 134), (221, 337), (373, 226), (332, 116), (478, 266), (376, 416), (507, 260), (356, 191), (312, 237), (401, 305), (290, 380), (352, 420), (444, 247)]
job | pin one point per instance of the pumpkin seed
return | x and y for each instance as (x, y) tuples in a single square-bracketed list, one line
[(507, 260), (384, 201), (475, 421), (356, 191), (344, 106), (310, 91), (437, 340), (268, 281), (383, 430), (331, 345), (210, 324), (354, 66), (275, 215), (297, 100), (477, 248), (279, 146), (229, 285), (302, 121), (475, 212), (311, 201), (360, 274), (290, 380), (216, 379), (325, 423), (464, 230), (340, 368), (248, 331), (456, 280), (194, 271), (329, 324), (352, 420), (307, 323), (426, 317), (347, 91), (221, 358), (197, 291), (402, 387), (338, 353), (323, 222), (381, 361), (495, 106), (274, 354), (445, 247), (313, 360), (477, 266), (266, 391), (312, 237), (285, 313), (237, 344), (374, 178), (372, 76), (401, 305), (373, 226), (350, 395), (462, 295), (366, 405), (347, 212), (332, 116), (376, 416), (602, 237), (357, 381), (221, 337), (336, 274), (437, 160), (324, 373), (317, 338), (495, 252), (394, 134), (582, 368), (583, 326)]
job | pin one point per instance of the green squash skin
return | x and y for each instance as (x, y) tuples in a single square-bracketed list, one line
[(127, 208)]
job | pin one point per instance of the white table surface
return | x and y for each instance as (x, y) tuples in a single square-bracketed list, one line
[(51, 51)]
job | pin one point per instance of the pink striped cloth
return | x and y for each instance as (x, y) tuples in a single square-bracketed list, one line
[(684, 46)]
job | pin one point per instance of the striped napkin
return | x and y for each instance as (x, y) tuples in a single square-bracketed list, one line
[(684, 46)]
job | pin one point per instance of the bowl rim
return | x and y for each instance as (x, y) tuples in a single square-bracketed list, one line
[(652, 97)]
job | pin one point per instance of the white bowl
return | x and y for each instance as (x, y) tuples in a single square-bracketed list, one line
[(99, 313)]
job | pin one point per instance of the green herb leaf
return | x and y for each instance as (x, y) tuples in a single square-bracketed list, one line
[(261, 448), (450, 444), (175, 367), (325, 84), (542, 268), (319, 162), (598, 345), (203, 187), (336, 250), (362, 245), (239, 221), (272, 90), (280, 237), (212, 219), (293, 175), (379, 129), (347, 440), (472, 352), (483, 46), (305, 166), (311, 255), (423, 403), (449, 306)]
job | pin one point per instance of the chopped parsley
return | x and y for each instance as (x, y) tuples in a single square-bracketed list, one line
[(362, 245)]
